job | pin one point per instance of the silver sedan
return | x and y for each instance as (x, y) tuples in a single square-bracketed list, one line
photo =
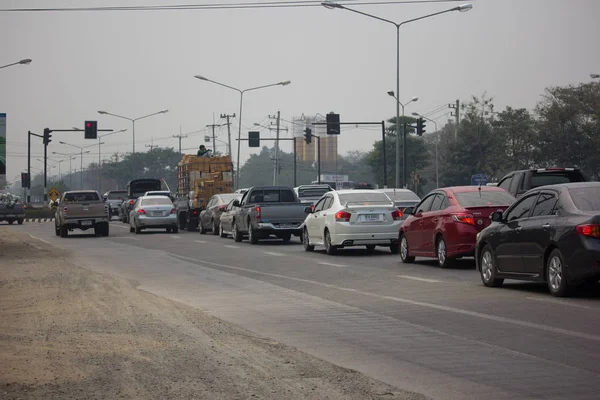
[(154, 212)]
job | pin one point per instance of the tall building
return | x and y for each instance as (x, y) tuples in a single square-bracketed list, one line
[(308, 152)]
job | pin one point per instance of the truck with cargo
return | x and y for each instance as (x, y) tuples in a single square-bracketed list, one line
[(200, 178), (11, 208), (136, 188)]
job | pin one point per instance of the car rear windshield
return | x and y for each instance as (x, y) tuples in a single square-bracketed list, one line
[(484, 198), (401, 195), (81, 197), (159, 201), (312, 192), (228, 197), (117, 195), (586, 198), (272, 196), (366, 198), (555, 177)]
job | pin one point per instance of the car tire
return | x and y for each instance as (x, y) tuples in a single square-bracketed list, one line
[(131, 229), (441, 252), (10, 222), (175, 229), (192, 226), (20, 222), (394, 248), (137, 230), (405, 256), (306, 241), (370, 248), (56, 230), (237, 235), (286, 238), (329, 248), (106, 230), (168, 230), (556, 278), (202, 229), (64, 232), (252, 238), (487, 268), (215, 228), (221, 231)]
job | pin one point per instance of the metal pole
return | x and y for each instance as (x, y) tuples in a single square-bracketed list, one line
[(214, 139), (133, 133), (99, 161), (29, 166), (398, 107), (318, 159), (229, 134), (385, 181), (277, 150), (237, 186), (45, 174), (404, 160), (70, 173), (81, 172), (295, 167)]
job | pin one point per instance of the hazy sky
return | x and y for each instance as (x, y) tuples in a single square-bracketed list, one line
[(136, 63)]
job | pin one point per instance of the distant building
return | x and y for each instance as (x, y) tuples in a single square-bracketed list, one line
[(308, 152)]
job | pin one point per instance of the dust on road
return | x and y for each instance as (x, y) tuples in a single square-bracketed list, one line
[(69, 333)]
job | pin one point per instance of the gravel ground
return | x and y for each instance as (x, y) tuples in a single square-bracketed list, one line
[(69, 333)]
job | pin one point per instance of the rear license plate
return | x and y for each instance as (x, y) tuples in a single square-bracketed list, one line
[(86, 223), (371, 217), (286, 225)]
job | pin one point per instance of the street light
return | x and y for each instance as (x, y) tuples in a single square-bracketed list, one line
[(404, 157), (81, 153), (594, 76), (462, 8), (100, 152), (437, 140), (71, 158), (133, 120), (241, 92), (26, 61)]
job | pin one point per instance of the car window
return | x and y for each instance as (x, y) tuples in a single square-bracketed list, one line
[(80, 197), (505, 184), (545, 205), (484, 198), (514, 185), (312, 191), (116, 195), (555, 177), (586, 198), (319, 205), (365, 198), (157, 201), (226, 198), (522, 208), (328, 203), (437, 202), (425, 205), (401, 194)]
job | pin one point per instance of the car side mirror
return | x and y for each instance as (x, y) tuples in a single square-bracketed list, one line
[(408, 211), (308, 210), (236, 203), (496, 216)]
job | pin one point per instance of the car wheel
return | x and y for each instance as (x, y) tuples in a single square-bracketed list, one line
[(405, 256), (394, 248), (20, 222), (131, 229), (442, 253), (11, 222), (488, 268), (175, 229), (252, 238), (181, 222), (370, 248), (215, 228), (306, 241), (286, 238), (106, 230), (555, 275), (56, 230), (237, 235), (329, 248), (64, 232), (202, 228), (168, 230), (221, 231), (192, 225), (137, 230)]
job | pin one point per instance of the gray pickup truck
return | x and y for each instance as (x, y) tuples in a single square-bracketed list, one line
[(83, 209), (267, 211)]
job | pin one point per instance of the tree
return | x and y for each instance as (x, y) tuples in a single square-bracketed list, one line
[(517, 127)]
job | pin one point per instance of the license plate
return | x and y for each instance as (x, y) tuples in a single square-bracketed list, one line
[(371, 217), (286, 225), (86, 223), (157, 214)]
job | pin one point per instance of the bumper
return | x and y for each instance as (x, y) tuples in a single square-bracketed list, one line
[(462, 242), (362, 239), (584, 264), (157, 222), (84, 223), (265, 229)]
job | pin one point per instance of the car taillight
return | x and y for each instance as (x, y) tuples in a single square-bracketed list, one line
[(258, 214), (130, 202), (195, 213), (591, 230), (141, 211), (397, 215), (173, 211), (464, 218), (343, 216)]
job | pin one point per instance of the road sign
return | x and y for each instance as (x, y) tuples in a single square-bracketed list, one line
[(53, 194), (479, 179)]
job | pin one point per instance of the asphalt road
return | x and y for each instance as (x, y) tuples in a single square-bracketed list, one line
[(432, 331)]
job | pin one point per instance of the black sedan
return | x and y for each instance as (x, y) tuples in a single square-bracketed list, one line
[(551, 234), (211, 217)]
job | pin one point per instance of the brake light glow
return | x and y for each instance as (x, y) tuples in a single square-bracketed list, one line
[(591, 230), (195, 213), (130, 202), (141, 211), (343, 216), (464, 219), (397, 215), (173, 210), (258, 214)]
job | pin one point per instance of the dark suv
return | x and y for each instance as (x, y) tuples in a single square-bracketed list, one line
[(519, 182)]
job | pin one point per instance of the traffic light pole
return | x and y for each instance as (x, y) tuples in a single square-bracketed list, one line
[(29, 134), (318, 159), (295, 158)]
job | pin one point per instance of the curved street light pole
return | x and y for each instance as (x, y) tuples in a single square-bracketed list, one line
[(241, 92), (26, 61), (462, 8), (133, 121)]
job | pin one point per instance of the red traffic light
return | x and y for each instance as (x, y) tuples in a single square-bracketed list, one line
[(89, 125)]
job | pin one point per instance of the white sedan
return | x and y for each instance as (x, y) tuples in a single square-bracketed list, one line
[(348, 218)]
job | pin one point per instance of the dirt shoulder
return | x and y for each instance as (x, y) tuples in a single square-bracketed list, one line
[(69, 333)]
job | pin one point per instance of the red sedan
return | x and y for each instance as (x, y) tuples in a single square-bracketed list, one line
[(444, 225)]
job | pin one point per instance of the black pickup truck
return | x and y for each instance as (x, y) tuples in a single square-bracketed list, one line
[(268, 211), (519, 182)]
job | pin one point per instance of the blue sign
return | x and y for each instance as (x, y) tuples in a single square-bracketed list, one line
[(480, 179)]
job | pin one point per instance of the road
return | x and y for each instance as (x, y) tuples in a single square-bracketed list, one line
[(417, 327)]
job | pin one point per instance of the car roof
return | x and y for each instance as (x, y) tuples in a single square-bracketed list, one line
[(152, 197), (271, 188), (570, 185), (473, 188), (81, 191), (356, 191), (395, 190)]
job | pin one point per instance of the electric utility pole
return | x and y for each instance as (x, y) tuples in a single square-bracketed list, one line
[(227, 117), (180, 136), (456, 114)]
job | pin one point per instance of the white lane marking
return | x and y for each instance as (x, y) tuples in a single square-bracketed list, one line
[(41, 240), (562, 303), (439, 307), (199, 241), (118, 226), (232, 247), (175, 237), (128, 237), (416, 278), (332, 264), (271, 253)]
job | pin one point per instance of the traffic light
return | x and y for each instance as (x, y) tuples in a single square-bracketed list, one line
[(91, 129), (25, 181), (420, 127), (333, 124), (47, 136), (254, 139), (308, 135)]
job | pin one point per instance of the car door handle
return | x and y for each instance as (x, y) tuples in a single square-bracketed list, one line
[(546, 226)]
